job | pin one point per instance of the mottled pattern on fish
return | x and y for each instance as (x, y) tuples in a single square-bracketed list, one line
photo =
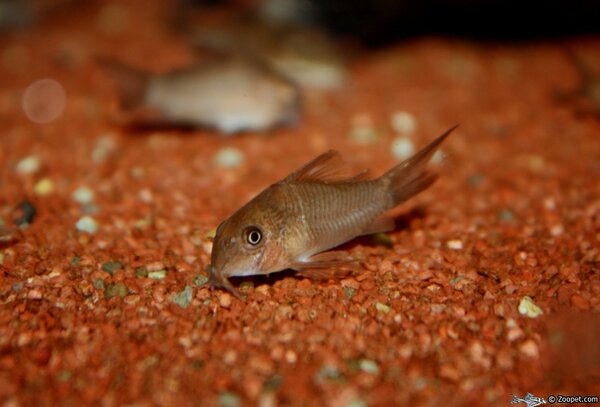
[(291, 223)]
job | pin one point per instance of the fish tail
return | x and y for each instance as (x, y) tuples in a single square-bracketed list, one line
[(131, 82), (411, 176)]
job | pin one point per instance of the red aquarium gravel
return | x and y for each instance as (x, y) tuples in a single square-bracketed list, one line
[(489, 287)]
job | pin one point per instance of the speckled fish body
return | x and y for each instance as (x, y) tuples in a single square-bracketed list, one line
[(232, 95), (290, 224)]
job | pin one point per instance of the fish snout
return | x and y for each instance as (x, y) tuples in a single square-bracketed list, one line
[(218, 279)]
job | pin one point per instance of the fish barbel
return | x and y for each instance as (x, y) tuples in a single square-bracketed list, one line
[(291, 223)]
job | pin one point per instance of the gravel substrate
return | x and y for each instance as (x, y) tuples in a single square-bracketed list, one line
[(490, 285)]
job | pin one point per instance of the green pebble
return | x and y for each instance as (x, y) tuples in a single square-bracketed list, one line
[(273, 383), (382, 239), (349, 292), (197, 364), (420, 383), (183, 298), (505, 215), (200, 280), (357, 403), (475, 180), (246, 285), (114, 290), (141, 272), (111, 267), (64, 375), (368, 366), (228, 157), (536, 163), (353, 365), (228, 399), (329, 372), (381, 307), (150, 361), (364, 135), (141, 223), (455, 280), (98, 283), (75, 261), (157, 275)]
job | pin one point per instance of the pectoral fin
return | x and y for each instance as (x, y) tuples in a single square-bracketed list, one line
[(325, 266)]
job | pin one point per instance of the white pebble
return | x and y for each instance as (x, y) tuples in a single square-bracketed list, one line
[(229, 157), (146, 195), (87, 224), (557, 230), (529, 348), (44, 187), (225, 300), (550, 203), (104, 146), (528, 308), (402, 148), (291, 356), (438, 157), (83, 195), (29, 165), (403, 122), (368, 366), (455, 244)]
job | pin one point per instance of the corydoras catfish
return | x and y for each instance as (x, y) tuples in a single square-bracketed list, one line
[(231, 95), (292, 223)]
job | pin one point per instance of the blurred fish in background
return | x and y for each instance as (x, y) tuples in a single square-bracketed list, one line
[(273, 54), (306, 55), (231, 95), (283, 33), (262, 57)]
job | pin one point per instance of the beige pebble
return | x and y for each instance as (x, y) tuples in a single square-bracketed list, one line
[(155, 266), (225, 300), (291, 356), (44, 187), (34, 294), (529, 348), (454, 244)]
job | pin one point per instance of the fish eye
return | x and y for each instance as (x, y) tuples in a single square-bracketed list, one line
[(253, 235)]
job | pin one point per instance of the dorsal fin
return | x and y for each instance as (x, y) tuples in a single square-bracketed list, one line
[(327, 167)]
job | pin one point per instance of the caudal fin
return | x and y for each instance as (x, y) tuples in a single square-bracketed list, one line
[(131, 82), (411, 176)]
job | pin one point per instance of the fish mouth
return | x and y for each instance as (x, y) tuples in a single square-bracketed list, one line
[(216, 279)]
